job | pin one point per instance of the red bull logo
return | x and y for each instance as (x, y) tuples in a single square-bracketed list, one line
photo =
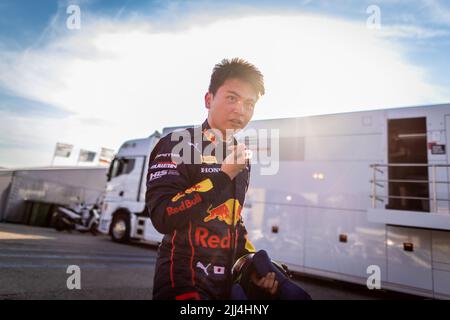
[(186, 204), (224, 212), (202, 186), (205, 239)]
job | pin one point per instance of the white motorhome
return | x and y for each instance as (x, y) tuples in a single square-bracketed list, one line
[(355, 195)]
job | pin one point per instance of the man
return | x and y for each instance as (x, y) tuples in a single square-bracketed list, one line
[(196, 189)]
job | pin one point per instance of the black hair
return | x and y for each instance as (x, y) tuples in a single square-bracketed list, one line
[(236, 68)]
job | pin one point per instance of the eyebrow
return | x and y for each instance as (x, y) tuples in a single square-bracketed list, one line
[(237, 94)]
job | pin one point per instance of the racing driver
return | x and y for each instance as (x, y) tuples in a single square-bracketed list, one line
[(196, 185)]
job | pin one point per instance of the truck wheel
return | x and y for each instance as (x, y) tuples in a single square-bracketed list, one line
[(93, 229), (120, 228), (59, 225)]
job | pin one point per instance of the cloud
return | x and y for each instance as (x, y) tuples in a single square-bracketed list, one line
[(133, 77), (413, 32), (439, 12)]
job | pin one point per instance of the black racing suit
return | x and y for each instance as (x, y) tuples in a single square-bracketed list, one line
[(191, 202)]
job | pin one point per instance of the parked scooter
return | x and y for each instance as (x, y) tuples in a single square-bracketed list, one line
[(81, 218)]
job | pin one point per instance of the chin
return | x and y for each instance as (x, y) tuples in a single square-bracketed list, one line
[(235, 128)]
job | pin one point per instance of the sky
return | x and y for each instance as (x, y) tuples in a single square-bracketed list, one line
[(133, 67)]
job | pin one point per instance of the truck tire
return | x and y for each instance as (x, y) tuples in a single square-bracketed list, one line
[(120, 228), (59, 225)]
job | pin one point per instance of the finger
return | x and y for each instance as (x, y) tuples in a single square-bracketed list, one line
[(232, 156), (240, 148), (248, 154), (256, 278), (271, 280), (272, 277), (261, 281), (267, 276), (241, 156), (236, 158), (268, 283), (274, 288), (237, 146)]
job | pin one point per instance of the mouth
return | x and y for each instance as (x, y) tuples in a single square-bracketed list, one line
[(236, 122)]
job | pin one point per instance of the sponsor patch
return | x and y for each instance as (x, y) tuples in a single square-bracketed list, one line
[(157, 175), (209, 159), (201, 266), (173, 172), (219, 270), (185, 204), (224, 212), (164, 165), (167, 155), (202, 186), (216, 269), (203, 238), (161, 173), (209, 170)]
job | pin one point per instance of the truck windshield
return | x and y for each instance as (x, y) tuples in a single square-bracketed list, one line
[(121, 166)]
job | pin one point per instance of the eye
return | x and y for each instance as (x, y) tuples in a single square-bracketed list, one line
[(231, 98), (249, 106)]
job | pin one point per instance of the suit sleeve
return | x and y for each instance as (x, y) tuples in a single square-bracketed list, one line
[(244, 246), (172, 195)]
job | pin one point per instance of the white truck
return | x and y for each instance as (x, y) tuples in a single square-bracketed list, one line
[(123, 213), (356, 195)]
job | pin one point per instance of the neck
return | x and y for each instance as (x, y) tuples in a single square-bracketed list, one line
[(223, 137)]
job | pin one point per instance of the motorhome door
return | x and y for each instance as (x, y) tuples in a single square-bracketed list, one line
[(407, 147)]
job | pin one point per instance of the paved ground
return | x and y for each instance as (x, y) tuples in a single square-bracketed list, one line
[(34, 262)]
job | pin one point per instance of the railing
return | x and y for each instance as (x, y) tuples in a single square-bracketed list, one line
[(433, 182)]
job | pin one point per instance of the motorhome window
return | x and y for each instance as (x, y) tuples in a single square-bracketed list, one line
[(292, 148)]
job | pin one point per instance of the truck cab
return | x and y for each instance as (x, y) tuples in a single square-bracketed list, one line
[(124, 216)]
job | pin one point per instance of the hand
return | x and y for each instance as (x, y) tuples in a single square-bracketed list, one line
[(267, 283), (236, 161)]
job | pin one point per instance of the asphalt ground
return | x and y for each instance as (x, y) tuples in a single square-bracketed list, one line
[(34, 263)]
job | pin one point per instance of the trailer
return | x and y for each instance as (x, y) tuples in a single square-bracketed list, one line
[(28, 195), (351, 193)]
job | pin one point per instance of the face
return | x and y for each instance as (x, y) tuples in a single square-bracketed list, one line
[(232, 106)]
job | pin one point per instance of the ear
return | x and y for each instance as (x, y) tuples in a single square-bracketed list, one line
[(208, 98)]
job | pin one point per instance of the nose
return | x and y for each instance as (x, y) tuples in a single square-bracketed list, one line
[(239, 107)]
